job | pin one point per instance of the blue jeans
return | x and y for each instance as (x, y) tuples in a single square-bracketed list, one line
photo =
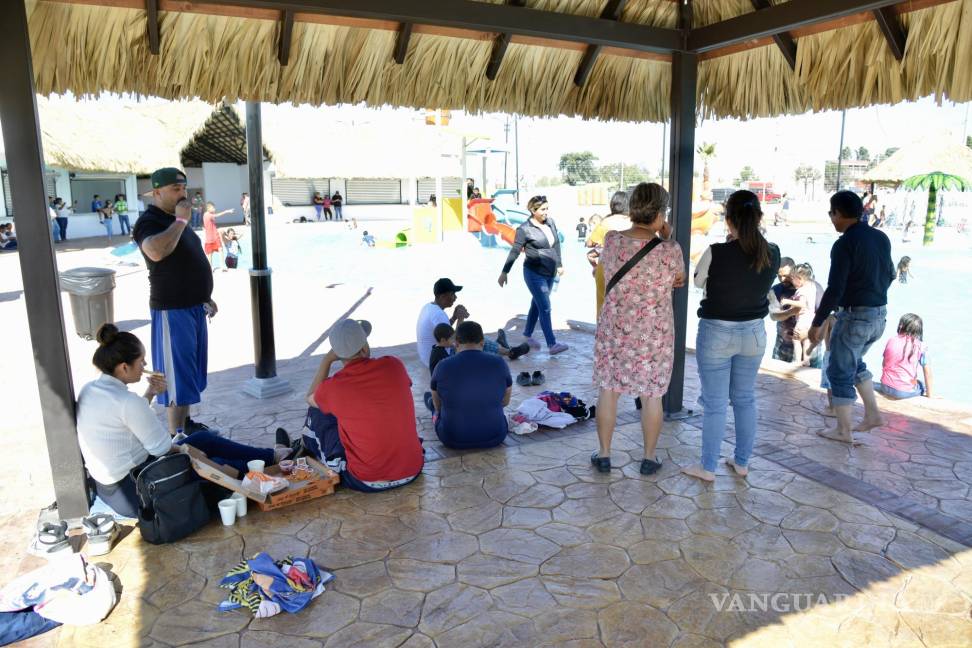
[(56, 231), (897, 393), (62, 224), (855, 330), (539, 287), (195, 218), (17, 626), (728, 355), (124, 224), (107, 223)]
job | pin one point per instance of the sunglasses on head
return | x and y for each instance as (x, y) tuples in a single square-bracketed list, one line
[(538, 199)]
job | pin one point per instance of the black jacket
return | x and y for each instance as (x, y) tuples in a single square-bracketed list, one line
[(540, 256)]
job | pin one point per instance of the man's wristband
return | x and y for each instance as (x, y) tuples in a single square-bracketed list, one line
[(184, 221)]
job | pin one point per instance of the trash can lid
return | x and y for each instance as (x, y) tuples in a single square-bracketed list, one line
[(88, 272)]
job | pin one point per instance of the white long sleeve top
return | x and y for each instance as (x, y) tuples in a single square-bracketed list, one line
[(117, 430)]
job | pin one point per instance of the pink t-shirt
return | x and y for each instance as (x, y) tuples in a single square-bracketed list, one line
[(903, 355)]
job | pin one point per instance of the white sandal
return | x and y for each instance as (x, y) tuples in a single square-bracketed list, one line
[(51, 540), (101, 531)]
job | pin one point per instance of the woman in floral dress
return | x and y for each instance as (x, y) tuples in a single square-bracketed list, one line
[(635, 341)]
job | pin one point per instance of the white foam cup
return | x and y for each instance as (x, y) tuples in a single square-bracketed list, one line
[(240, 504), (255, 466), (227, 511)]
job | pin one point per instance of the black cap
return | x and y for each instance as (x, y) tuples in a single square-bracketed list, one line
[(443, 286)]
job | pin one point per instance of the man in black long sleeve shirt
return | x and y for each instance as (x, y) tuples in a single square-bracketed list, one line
[(861, 271)]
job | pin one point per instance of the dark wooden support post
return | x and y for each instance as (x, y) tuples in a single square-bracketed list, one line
[(401, 45), (38, 265), (784, 41), (286, 36), (265, 382), (893, 32), (499, 47), (152, 16), (682, 159), (612, 11)]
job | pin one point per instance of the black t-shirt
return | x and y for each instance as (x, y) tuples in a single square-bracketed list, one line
[(182, 279)]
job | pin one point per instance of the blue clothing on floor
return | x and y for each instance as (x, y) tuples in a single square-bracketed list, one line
[(471, 386), (17, 626)]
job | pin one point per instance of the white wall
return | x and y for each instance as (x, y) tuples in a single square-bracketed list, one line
[(221, 186), (195, 180), (62, 185)]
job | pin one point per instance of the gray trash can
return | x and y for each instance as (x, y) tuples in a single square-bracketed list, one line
[(92, 300)]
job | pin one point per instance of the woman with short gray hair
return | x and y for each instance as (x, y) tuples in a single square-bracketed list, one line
[(618, 220)]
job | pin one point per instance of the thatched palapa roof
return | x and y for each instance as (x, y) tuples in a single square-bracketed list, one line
[(220, 52), (920, 158)]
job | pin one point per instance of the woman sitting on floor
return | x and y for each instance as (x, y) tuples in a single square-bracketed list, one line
[(119, 432)]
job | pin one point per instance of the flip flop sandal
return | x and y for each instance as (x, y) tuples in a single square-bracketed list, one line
[(101, 531), (538, 378), (523, 379), (51, 540)]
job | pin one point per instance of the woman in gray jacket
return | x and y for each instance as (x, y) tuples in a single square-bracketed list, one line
[(538, 237)]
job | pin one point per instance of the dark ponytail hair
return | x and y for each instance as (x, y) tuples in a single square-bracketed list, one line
[(742, 210), (115, 347)]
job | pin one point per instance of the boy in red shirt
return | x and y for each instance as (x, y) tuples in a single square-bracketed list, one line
[(372, 401)]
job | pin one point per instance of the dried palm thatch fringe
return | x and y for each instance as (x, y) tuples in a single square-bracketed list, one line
[(924, 157), (89, 50)]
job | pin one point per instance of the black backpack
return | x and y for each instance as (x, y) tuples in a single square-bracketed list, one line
[(171, 500)]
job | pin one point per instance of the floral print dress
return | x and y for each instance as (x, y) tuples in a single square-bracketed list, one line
[(635, 341)]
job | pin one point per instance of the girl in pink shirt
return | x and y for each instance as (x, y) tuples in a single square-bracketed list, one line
[(903, 354)]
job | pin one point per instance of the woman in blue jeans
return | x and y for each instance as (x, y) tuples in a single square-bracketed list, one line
[(538, 237), (736, 276), (118, 431)]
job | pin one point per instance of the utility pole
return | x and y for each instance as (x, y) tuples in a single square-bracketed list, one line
[(516, 157), (664, 140), (840, 150)]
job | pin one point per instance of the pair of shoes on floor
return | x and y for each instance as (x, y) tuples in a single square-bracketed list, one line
[(101, 531), (524, 379), (51, 540)]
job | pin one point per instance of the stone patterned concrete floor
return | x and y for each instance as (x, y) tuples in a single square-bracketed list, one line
[(525, 545)]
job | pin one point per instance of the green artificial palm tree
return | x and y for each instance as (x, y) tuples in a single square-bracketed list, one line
[(706, 151), (933, 183)]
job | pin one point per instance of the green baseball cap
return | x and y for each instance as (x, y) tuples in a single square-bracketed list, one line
[(167, 176)]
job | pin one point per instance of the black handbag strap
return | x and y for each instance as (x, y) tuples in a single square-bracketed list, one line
[(632, 262)]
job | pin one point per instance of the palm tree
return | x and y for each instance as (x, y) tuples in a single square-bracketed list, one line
[(706, 151), (933, 183)]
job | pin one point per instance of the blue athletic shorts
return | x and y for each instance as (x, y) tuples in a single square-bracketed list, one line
[(180, 342)]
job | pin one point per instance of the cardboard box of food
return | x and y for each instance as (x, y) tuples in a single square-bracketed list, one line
[(322, 483)]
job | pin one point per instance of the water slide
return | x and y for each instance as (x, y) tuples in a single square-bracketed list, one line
[(482, 219)]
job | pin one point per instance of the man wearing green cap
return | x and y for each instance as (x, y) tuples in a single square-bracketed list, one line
[(181, 283)]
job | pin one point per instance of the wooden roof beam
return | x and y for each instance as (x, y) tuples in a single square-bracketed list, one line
[(286, 36), (499, 47), (783, 40), (890, 26), (401, 43), (777, 19), (612, 11), (152, 17)]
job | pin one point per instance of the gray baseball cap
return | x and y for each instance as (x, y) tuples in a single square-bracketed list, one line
[(349, 336)]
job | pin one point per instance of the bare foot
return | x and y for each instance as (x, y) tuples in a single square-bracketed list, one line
[(868, 424), (828, 411), (696, 470), (742, 471), (836, 435)]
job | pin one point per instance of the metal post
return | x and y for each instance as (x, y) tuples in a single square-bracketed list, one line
[(265, 382), (684, 78), (38, 265), (661, 178), (516, 158), (840, 151)]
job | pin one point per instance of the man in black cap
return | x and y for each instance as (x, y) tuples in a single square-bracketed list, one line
[(433, 314), (180, 299)]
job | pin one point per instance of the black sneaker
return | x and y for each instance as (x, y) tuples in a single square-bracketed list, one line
[(192, 427), (649, 466), (501, 339), (603, 464), (282, 438), (637, 402), (538, 378), (523, 379), (519, 350)]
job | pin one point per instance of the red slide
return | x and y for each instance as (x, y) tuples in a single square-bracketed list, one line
[(482, 218)]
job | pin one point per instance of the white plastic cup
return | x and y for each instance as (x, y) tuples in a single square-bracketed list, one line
[(255, 466), (227, 511), (240, 504)]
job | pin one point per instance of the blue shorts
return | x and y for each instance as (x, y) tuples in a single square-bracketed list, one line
[(180, 343)]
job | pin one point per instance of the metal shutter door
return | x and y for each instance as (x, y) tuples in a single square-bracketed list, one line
[(49, 186), (322, 185), (426, 187), (373, 191), (292, 191)]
